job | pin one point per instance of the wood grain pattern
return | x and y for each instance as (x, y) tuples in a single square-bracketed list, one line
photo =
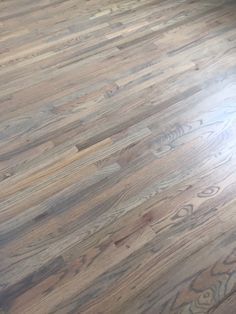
[(118, 156)]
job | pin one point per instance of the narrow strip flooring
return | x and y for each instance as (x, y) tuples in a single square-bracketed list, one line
[(118, 156)]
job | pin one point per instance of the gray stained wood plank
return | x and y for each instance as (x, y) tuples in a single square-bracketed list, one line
[(118, 156)]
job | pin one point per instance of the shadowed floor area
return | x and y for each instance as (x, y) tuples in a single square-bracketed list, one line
[(118, 156)]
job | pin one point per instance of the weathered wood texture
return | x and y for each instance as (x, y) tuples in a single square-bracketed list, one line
[(118, 156)]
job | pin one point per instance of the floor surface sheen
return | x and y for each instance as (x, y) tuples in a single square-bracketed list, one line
[(118, 156)]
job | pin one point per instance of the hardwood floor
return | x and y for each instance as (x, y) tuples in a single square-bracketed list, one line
[(118, 156)]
